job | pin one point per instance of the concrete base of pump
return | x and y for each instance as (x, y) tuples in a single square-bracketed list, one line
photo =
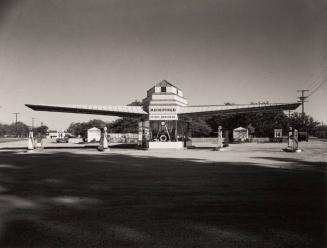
[(102, 149), (166, 145), (290, 149), (220, 149)]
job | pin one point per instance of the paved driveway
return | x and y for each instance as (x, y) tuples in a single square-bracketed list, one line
[(249, 196)]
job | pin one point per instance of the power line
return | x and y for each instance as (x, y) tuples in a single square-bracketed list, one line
[(22, 115), (321, 76), (313, 87), (317, 87)]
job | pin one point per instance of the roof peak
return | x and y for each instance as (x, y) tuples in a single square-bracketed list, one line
[(165, 83)]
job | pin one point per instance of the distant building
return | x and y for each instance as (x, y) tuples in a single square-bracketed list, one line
[(240, 134), (93, 134), (278, 133), (57, 134)]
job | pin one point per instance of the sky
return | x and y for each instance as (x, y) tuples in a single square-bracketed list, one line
[(109, 52)]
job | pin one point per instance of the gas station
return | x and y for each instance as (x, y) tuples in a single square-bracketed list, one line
[(166, 116)]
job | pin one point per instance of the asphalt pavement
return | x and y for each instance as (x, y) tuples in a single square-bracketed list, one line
[(251, 195)]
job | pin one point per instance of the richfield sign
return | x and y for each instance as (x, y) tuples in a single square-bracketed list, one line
[(163, 113)]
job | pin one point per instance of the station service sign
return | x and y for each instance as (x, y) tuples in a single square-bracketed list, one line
[(163, 117), (165, 113)]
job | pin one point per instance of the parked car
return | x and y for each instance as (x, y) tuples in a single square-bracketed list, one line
[(303, 136), (62, 140)]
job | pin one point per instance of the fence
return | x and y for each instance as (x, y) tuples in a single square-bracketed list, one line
[(130, 138), (212, 140), (260, 140)]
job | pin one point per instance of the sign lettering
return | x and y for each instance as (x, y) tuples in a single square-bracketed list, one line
[(153, 117)]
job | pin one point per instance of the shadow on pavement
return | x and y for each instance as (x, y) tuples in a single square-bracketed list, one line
[(78, 146), (112, 200), (315, 164)]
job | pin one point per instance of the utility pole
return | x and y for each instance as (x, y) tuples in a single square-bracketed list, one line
[(302, 99), (33, 122), (16, 116)]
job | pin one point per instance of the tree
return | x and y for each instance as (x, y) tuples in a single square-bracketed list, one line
[(265, 122), (200, 128), (303, 122), (3, 129), (124, 125), (20, 129), (75, 128), (80, 128), (41, 129), (262, 122), (321, 128)]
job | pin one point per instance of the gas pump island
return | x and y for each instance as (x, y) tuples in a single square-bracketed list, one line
[(165, 114)]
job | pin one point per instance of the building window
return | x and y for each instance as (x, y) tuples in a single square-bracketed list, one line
[(163, 89)]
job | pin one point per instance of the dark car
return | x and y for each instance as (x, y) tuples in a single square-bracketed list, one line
[(62, 140), (303, 136)]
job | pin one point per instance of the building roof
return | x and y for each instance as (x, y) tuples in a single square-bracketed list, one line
[(165, 83), (93, 129), (120, 111), (240, 129), (237, 108)]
